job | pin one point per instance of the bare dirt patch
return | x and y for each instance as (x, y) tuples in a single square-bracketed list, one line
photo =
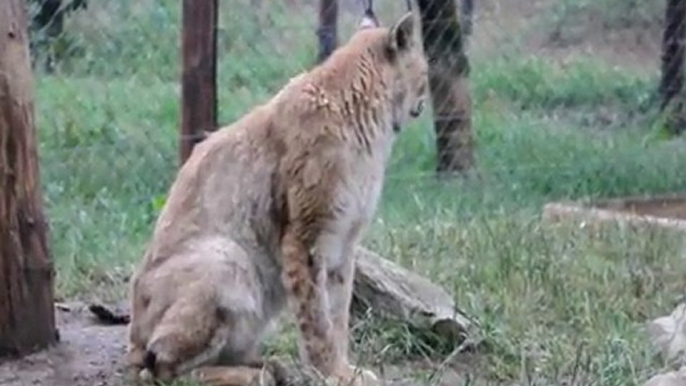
[(88, 354), (92, 354)]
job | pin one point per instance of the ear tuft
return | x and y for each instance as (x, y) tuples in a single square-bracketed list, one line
[(369, 20), (401, 34)]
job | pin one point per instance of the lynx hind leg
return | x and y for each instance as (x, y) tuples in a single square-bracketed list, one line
[(189, 334), (207, 344), (146, 313)]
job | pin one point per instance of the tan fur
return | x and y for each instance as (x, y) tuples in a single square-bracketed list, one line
[(266, 212)]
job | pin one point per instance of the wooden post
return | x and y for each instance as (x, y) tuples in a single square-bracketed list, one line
[(27, 320), (199, 79), (673, 49), (328, 28), (448, 82)]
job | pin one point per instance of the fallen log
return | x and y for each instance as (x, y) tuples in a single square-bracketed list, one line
[(392, 291)]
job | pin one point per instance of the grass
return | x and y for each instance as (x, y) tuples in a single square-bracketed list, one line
[(542, 294), (571, 20), (555, 304), (615, 13)]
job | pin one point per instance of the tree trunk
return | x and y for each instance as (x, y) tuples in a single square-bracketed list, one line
[(673, 65), (328, 28), (27, 321), (199, 78), (448, 81)]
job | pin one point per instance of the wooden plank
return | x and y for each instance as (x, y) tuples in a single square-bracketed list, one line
[(27, 320), (593, 214), (199, 77)]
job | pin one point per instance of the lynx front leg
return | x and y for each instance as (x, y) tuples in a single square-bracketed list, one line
[(304, 276), (340, 287), (340, 290), (320, 300)]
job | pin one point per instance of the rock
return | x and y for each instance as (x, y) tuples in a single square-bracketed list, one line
[(668, 333), (673, 378)]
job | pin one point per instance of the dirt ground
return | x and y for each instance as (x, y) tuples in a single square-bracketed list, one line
[(88, 354), (92, 354)]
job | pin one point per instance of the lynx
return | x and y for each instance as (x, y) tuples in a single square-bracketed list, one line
[(264, 216)]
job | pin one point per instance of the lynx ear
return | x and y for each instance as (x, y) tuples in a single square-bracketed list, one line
[(401, 34)]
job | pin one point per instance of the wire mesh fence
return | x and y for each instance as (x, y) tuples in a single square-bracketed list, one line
[(562, 96)]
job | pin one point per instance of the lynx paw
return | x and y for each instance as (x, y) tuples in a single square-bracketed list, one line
[(223, 376), (356, 376)]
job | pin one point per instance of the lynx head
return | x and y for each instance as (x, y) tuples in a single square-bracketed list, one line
[(398, 51), (409, 71)]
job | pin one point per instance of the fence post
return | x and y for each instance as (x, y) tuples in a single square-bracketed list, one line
[(199, 77), (27, 320)]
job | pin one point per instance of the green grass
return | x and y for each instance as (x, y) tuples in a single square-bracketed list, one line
[(551, 301), (541, 294)]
